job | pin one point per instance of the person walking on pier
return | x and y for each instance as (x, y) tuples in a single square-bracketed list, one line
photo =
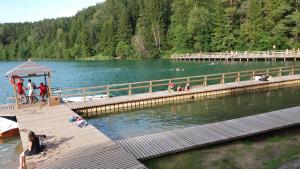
[(21, 92), (43, 91)]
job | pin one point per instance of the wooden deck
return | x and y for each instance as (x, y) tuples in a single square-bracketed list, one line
[(165, 94), (69, 146), (168, 142)]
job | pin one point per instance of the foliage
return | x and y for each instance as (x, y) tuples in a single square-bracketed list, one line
[(152, 28)]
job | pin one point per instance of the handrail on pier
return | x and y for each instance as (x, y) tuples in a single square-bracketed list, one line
[(162, 84)]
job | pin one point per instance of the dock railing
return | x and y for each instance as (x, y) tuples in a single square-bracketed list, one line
[(241, 54), (128, 89)]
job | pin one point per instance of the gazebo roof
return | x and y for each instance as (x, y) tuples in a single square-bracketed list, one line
[(28, 68)]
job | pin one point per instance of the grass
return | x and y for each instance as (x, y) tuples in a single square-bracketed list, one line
[(268, 151)]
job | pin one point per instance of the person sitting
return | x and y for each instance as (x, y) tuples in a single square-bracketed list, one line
[(34, 148), (187, 87), (43, 91), (171, 87), (20, 91), (179, 88)]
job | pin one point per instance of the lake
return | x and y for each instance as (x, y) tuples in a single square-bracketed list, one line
[(69, 74)]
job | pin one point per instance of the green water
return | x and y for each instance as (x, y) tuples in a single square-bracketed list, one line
[(174, 116), (68, 74)]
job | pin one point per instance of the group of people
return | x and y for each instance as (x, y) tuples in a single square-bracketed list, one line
[(172, 87), (31, 87)]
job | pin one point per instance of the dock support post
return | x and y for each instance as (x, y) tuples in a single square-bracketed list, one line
[(129, 89)]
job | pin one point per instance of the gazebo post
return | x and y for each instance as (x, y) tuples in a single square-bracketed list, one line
[(49, 88), (16, 95)]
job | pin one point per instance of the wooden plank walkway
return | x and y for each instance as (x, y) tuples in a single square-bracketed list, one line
[(164, 94), (168, 142), (69, 146)]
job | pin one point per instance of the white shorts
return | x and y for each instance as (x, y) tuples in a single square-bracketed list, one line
[(31, 93)]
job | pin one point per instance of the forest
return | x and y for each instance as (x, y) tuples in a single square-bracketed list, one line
[(134, 29)]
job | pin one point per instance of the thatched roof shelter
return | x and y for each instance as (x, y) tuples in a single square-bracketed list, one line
[(28, 69)]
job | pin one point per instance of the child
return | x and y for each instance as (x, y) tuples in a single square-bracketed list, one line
[(43, 91)]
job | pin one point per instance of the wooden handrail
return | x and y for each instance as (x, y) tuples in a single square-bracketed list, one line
[(204, 79)]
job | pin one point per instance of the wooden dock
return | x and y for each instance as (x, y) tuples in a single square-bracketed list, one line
[(69, 146), (178, 140), (292, 55), (222, 86)]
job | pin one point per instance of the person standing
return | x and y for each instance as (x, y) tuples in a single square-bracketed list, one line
[(21, 92), (43, 91), (31, 87)]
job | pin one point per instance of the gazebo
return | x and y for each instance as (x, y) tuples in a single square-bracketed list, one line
[(27, 70)]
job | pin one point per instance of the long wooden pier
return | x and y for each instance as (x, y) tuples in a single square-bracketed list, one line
[(178, 140), (292, 55), (202, 86), (69, 146)]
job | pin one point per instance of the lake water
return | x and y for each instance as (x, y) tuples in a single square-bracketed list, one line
[(68, 74)]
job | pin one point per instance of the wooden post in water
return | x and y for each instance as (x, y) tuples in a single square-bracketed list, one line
[(150, 87), (129, 89)]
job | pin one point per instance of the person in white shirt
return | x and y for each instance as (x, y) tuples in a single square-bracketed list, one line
[(31, 87)]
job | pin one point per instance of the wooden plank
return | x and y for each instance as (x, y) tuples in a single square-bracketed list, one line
[(178, 140)]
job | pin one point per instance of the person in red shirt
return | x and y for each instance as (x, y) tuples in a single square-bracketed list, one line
[(43, 91), (20, 90)]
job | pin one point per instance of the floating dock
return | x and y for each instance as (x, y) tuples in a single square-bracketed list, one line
[(178, 140), (212, 86)]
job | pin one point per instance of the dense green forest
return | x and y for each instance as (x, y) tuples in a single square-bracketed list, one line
[(156, 28)]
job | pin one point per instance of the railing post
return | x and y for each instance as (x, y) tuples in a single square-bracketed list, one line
[(292, 71), (223, 79), (253, 74), (205, 81), (129, 89), (238, 78), (84, 94), (150, 87), (107, 91), (280, 72)]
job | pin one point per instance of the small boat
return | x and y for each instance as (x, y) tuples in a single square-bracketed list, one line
[(80, 99), (8, 128)]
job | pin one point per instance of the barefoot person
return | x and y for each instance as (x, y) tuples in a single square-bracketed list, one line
[(43, 91), (31, 94), (21, 92), (33, 148)]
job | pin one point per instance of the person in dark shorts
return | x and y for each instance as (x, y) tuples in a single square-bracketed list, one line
[(33, 148), (43, 91)]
